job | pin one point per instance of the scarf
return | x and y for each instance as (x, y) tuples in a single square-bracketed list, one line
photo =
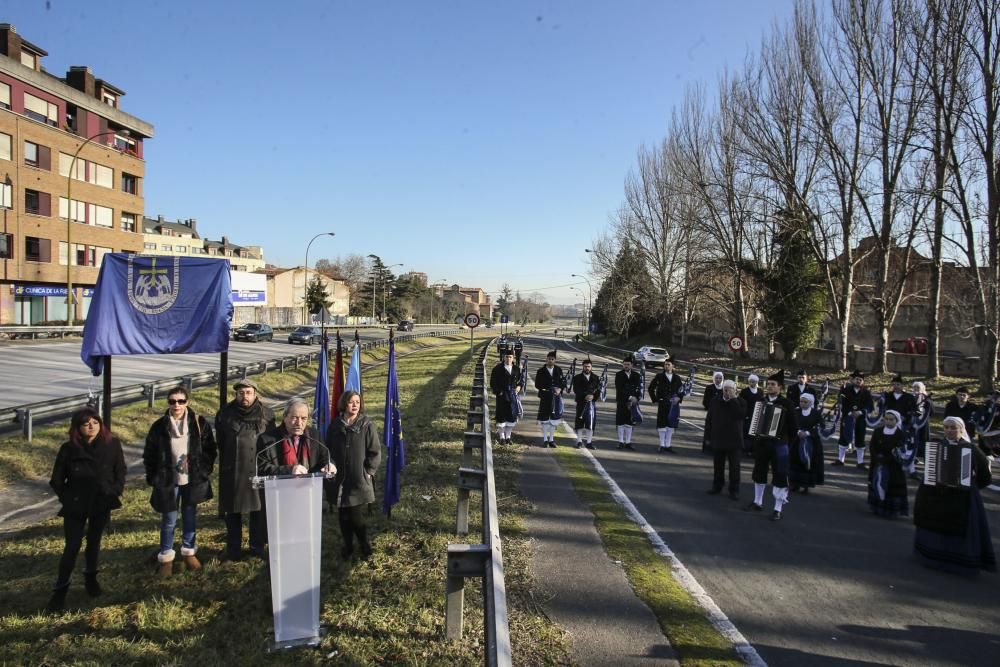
[(294, 450), (179, 437), (253, 412)]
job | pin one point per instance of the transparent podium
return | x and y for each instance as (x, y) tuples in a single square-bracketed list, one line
[(294, 533)]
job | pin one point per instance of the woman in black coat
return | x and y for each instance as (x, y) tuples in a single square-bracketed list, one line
[(356, 451), (886, 477), (805, 469), (179, 456), (952, 530), (89, 478)]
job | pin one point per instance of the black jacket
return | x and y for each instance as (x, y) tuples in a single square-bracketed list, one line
[(89, 479), (237, 437), (269, 454), (158, 461), (793, 393), (357, 452), (750, 399), (725, 423)]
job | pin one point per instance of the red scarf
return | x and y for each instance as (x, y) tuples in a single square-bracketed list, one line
[(293, 450)]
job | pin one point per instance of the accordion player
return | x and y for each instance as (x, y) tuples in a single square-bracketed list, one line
[(948, 465), (768, 420)]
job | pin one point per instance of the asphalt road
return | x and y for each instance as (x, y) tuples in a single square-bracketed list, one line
[(46, 370), (830, 584)]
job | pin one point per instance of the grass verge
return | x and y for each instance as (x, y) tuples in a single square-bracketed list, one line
[(696, 642), (389, 610)]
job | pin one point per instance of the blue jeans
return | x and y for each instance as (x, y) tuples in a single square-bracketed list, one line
[(189, 519)]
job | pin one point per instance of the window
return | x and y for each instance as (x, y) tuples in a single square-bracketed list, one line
[(36, 155), (37, 203), (99, 253), (28, 59), (4, 96), (83, 255), (38, 109), (149, 246), (166, 246), (6, 195), (101, 175), (181, 248), (197, 251), (130, 183), (5, 146), (85, 170), (125, 144), (102, 216), (110, 100), (6, 246), (37, 250), (79, 210), (128, 223)]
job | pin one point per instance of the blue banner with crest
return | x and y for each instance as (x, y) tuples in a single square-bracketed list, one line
[(157, 305)]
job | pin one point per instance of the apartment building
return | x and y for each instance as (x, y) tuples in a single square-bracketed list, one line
[(71, 182), (181, 238)]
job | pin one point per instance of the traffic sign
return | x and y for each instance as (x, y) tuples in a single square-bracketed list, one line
[(472, 320), (503, 319), (735, 343)]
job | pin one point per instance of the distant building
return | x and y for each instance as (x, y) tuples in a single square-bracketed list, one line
[(417, 277), (162, 237), (44, 122), (470, 299), (286, 288)]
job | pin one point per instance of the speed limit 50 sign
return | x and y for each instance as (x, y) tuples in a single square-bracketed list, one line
[(735, 343), (472, 320)]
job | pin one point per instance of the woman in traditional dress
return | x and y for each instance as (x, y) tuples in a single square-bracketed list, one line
[(886, 477)]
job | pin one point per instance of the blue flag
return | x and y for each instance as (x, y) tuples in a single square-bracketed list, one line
[(157, 305), (393, 433), (353, 382), (321, 401)]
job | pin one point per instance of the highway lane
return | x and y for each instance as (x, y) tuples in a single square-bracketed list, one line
[(48, 370), (830, 584)]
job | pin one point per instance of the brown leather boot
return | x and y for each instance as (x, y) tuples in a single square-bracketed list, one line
[(166, 561), (191, 561)]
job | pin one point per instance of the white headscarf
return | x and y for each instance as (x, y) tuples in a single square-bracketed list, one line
[(811, 400), (962, 433), (899, 420)]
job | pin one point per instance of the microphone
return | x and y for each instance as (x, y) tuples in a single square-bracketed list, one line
[(257, 481)]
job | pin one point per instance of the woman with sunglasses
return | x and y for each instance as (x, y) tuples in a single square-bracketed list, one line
[(179, 456), (89, 478)]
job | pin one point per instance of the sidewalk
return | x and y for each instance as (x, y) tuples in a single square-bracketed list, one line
[(577, 584)]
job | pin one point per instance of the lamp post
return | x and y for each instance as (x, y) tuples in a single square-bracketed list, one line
[(434, 299), (6, 204), (305, 293), (583, 296), (590, 293), (70, 301)]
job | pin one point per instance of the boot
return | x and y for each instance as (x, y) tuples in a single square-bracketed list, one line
[(190, 560), (57, 603), (166, 561), (90, 582)]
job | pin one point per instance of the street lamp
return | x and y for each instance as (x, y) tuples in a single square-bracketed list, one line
[(443, 281), (305, 295), (70, 301), (590, 292)]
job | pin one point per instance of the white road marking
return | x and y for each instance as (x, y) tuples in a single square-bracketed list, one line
[(715, 615)]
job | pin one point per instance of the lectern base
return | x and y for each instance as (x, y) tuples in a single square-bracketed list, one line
[(278, 647)]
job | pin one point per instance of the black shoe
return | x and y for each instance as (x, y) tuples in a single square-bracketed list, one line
[(552, 444), (579, 445), (753, 507), (621, 445), (628, 445), (591, 445), (805, 490), (837, 462), (90, 583), (670, 450), (57, 602), (733, 495), (862, 466), (776, 516), (714, 492)]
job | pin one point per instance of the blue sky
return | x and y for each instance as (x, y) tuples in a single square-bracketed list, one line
[(478, 142)]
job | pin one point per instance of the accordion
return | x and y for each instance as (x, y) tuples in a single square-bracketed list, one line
[(948, 465), (767, 420)]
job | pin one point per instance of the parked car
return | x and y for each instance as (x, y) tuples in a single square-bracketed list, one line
[(254, 332), (306, 336), (651, 355), (405, 325)]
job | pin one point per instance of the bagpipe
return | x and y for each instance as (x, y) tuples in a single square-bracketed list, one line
[(830, 418), (806, 451), (636, 410), (515, 402), (986, 417), (674, 415), (558, 406), (603, 387), (878, 412), (523, 381)]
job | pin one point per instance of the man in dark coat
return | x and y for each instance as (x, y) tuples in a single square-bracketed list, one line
[(549, 382), (856, 402), (179, 456), (725, 422), (666, 391), (295, 448), (711, 391), (960, 406), (237, 427), (628, 391), (795, 391), (770, 451), (751, 395), (505, 383), (586, 387)]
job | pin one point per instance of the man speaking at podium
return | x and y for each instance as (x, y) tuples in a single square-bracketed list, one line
[(295, 448)]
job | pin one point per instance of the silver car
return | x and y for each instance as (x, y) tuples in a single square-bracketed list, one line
[(651, 355)]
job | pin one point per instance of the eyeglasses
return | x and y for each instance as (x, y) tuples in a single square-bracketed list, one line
[(177, 401)]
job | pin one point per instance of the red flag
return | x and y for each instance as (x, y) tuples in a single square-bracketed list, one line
[(337, 389)]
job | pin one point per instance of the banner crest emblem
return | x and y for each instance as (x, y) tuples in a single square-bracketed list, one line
[(152, 289)]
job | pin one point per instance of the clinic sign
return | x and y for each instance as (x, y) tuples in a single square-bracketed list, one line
[(46, 290)]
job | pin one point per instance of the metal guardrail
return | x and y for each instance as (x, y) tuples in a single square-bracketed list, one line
[(483, 560), (26, 414), (34, 332)]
